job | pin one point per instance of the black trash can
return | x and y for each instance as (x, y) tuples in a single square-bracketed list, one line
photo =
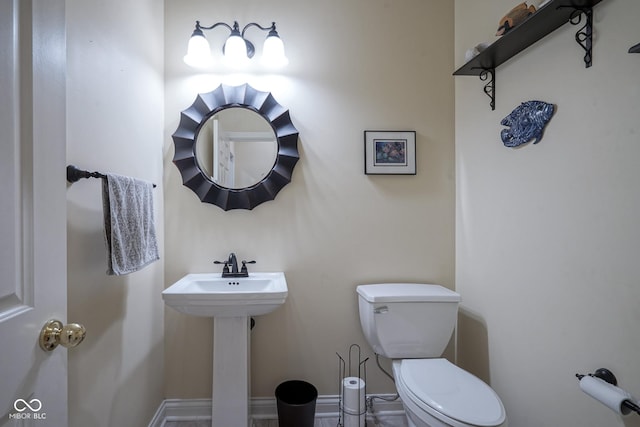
[(296, 402)]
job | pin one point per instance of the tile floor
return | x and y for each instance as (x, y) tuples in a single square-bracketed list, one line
[(388, 421), (382, 421)]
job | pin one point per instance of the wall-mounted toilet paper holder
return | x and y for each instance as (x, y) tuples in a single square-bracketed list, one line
[(608, 393), (604, 374)]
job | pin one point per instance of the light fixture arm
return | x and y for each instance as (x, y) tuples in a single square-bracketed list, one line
[(217, 24), (253, 24), (236, 28)]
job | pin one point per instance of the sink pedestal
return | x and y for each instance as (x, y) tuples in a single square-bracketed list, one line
[(231, 368), (231, 302)]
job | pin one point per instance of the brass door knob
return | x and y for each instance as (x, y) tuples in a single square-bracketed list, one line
[(54, 333)]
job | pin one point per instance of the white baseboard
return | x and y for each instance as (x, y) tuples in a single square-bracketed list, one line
[(261, 408)]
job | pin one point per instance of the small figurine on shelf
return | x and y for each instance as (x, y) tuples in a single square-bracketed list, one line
[(515, 17), (471, 53)]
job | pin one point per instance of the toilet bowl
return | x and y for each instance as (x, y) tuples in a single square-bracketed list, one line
[(412, 324), (437, 393)]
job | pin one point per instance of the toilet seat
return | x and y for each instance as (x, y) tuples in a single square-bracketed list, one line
[(448, 392)]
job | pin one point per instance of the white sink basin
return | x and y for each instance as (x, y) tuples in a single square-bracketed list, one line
[(208, 294)]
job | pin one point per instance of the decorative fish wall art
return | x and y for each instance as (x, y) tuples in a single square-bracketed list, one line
[(526, 122)]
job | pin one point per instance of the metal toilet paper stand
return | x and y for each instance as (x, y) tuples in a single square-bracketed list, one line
[(346, 370)]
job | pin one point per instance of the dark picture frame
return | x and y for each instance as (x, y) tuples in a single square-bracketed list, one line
[(389, 152)]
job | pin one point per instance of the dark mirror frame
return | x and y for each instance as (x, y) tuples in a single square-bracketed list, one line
[(206, 105)]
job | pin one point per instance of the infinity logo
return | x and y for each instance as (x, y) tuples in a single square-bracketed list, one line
[(37, 405)]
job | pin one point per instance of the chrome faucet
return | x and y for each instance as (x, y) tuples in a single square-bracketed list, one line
[(230, 268)]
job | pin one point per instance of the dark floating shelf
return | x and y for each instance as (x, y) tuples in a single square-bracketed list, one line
[(544, 21)]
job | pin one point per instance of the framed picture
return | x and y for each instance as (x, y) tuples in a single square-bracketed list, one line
[(389, 152)]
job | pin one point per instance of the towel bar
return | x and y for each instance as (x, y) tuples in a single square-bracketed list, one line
[(74, 174)]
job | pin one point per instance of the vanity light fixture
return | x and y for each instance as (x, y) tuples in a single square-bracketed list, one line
[(237, 49)]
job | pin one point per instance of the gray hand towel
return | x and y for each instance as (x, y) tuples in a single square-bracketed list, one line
[(128, 224)]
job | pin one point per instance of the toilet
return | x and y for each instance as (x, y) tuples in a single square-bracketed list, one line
[(411, 324)]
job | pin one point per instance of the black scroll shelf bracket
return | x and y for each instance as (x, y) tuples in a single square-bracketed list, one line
[(635, 49), (544, 21), (489, 87), (584, 35)]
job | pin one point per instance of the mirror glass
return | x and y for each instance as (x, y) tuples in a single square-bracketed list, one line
[(236, 148)]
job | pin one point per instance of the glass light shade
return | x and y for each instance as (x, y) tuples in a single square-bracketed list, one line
[(273, 52), (198, 52), (235, 51)]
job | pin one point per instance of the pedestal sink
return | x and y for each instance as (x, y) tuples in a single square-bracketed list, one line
[(231, 302)]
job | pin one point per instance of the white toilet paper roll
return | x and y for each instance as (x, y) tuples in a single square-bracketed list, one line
[(609, 395), (353, 401), (353, 420)]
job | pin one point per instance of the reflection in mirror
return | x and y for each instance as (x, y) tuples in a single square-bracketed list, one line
[(236, 148)]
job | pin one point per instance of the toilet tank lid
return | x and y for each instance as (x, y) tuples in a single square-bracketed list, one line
[(406, 292)]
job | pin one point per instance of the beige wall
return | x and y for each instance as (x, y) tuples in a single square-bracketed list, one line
[(547, 236), (355, 65), (115, 121)]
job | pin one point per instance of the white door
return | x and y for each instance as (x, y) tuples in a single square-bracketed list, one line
[(33, 383)]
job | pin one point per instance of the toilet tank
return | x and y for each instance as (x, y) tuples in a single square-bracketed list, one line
[(407, 320)]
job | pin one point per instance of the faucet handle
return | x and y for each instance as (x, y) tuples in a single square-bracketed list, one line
[(225, 269), (244, 265)]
